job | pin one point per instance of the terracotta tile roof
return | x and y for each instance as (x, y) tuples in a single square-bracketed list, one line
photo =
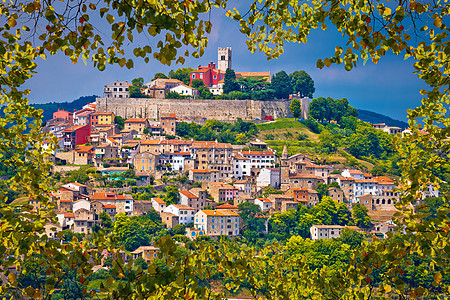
[(265, 200), (365, 181), (109, 196), (185, 207), (69, 215), (258, 153), (74, 128), (84, 148), (346, 178), (109, 206), (253, 74), (150, 142), (210, 144), (226, 206), (221, 212), (67, 189), (241, 181), (112, 140), (384, 178), (188, 194), (170, 116), (158, 200), (240, 157), (356, 172), (182, 153), (199, 171), (136, 120), (65, 201)]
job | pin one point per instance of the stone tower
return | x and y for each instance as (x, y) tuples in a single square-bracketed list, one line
[(284, 166), (224, 58)]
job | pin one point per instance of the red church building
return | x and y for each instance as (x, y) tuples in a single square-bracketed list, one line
[(209, 75)]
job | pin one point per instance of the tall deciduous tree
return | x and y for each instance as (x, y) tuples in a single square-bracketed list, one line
[(360, 216), (281, 83), (182, 74), (160, 75), (302, 83), (230, 83), (296, 108)]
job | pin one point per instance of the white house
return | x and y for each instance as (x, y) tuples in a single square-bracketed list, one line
[(268, 177), (118, 89), (244, 161), (217, 222), (185, 213), (158, 204), (185, 90), (81, 204), (319, 232), (264, 203), (178, 160)]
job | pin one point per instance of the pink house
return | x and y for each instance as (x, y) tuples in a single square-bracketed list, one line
[(63, 115)]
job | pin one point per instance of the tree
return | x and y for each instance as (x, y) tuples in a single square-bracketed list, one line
[(351, 237), (247, 212), (302, 83), (360, 216), (135, 88), (230, 83), (160, 75), (182, 74), (196, 83), (106, 221), (296, 108), (120, 122), (172, 195), (282, 85)]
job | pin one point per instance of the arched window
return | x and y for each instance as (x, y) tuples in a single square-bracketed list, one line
[(378, 201), (383, 201)]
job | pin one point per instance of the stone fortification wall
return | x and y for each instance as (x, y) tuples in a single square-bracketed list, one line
[(224, 110)]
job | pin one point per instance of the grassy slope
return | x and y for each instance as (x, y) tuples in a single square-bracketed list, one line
[(285, 131)]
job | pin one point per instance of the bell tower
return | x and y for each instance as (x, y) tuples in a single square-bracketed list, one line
[(224, 58)]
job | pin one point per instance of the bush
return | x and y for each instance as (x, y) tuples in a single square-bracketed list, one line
[(302, 136), (269, 136), (313, 125)]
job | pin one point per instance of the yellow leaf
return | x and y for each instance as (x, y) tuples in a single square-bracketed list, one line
[(437, 22)]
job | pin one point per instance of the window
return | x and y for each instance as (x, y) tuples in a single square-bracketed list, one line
[(193, 76), (201, 76)]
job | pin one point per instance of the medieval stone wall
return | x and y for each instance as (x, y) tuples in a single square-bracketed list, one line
[(223, 110)]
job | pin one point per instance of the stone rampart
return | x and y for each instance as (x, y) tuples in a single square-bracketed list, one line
[(223, 110)]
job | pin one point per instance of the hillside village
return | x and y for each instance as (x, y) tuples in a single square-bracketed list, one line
[(201, 188)]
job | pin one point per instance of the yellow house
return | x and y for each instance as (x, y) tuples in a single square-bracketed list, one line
[(102, 118)]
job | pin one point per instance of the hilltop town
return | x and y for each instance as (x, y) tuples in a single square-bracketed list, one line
[(214, 169)]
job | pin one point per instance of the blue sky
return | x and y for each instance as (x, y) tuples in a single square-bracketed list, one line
[(390, 87)]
